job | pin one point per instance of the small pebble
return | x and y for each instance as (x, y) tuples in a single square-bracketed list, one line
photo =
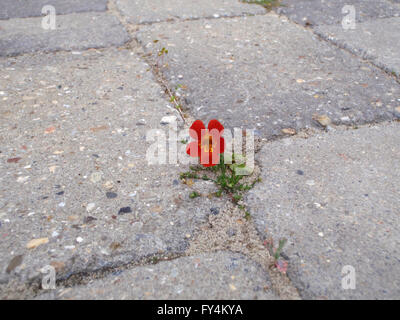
[(214, 211), (111, 195), (168, 120), (124, 210), (310, 182), (88, 219), (90, 206), (79, 239)]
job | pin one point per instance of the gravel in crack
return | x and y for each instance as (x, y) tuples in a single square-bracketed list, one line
[(217, 235)]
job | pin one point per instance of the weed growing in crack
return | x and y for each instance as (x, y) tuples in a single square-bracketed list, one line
[(194, 194), (223, 175), (155, 260), (160, 64), (279, 262)]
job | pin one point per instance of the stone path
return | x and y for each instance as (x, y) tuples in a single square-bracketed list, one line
[(267, 73), (214, 276), (77, 191), (335, 197)]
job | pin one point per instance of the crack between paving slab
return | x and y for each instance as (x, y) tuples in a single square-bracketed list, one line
[(368, 59), (178, 20), (230, 230), (361, 54), (132, 29), (15, 289)]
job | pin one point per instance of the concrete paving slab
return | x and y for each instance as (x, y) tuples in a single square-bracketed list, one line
[(210, 276), (33, 8), (335, 197), (73, 32), (321, 12), (76, 190), (268, 73), (377, 40), (149, 11)]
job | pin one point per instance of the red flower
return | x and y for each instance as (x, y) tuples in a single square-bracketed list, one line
[(208, 144)]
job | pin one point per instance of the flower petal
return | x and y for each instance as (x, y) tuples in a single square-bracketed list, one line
[(195, 129), (205, 157), (221, 145), (215, 124), (193, 149), (209, 159)]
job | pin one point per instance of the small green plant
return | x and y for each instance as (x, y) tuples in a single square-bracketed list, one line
[(154, 260), (279, 262), (162, 52), (237, 198), (194, 194), (278, 251), (188, 175), (224, 176)]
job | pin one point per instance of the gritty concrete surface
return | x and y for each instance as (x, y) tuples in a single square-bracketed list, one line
[(268, 73), (77, 192), (335, 197), (73, 32), (378, 41), (321, 12), (230, 230), (74, 172), (211, 276), (148, 11), (33, 8)]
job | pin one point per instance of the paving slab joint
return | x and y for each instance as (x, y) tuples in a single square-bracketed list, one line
[(359, 55)]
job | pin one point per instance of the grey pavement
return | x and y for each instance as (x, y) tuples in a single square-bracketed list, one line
[(267, 73), (74, 169), (335, 197), (76, 189), (211, 276), (138, 11), (33, 8), (73, 32), (321, 12), (370, 40)]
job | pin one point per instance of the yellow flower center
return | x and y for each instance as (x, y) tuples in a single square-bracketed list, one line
[(207, 143)]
